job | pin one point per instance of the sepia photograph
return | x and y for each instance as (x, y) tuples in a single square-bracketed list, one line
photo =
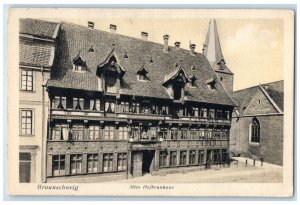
[(150, 102)]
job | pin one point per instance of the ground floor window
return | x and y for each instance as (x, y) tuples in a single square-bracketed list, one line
[(173, 158), (58, 165), (201, 159), (108, 162), (216, 156), (182, 160), (163, 158), (92, 163), (24, 167), (122, 161), (76, 164), (192, 158)]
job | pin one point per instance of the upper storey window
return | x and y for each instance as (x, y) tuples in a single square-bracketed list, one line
[(79, 65), (111, 72), (27, 80)]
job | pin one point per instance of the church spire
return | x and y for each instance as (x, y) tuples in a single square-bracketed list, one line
[(212, 46)]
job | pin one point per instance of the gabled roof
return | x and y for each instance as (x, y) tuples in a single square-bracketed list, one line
[(173, 74), (39, 54), (39, 28), (212, 48), (274, 90), (73, 38)]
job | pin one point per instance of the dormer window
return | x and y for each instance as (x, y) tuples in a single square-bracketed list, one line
[(175, 83), (211, 83), (110, 72), (142, 74), (222, 64), (193, 81), (91, 49), (79, 65)]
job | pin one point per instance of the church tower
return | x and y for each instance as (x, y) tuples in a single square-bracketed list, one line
[(213, 52)]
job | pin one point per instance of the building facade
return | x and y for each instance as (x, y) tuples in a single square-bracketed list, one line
[(36, 54), (257, 124), (122, 107)]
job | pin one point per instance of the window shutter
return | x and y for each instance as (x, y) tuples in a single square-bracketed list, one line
[(75, 102), (98, 104), (56, 102), (92, 103), (81, 103), (64, 102)]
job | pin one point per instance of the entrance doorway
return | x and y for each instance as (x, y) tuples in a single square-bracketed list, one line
[(208, 159), (147, 166)]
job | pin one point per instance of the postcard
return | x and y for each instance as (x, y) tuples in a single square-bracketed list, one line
[(150, 102)]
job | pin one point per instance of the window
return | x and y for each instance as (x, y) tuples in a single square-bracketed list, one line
[(216, 156), (60, 132), (173, 158), (94, 131), (201, 159), (209, 133), (183, 133), (58, 165), (164, 110), (163, 158), (195, 111), (109, 107), (26, 122), (122, 161), (24, 167), (174, 133), (182, 160), (109, 132), (123, 133), (211, 113), (135, 131), (192, 158), (111, 83), (76, 164), (203, 112), (92, 163), (124, 107), (108, 162), (95, 104), (226, 115), (201, 133), (59, 102), (193, 134), (177, 88), (254, 131), (78, 103), (219, 114), (27, 80), (163, 133), (77, 132), (135, 107), (224, 155)]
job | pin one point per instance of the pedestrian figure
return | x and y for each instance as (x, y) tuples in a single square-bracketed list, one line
[(261, 161), (253, 162), (246, 162)]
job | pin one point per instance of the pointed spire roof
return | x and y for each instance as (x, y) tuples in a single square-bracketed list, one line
[(212, 48)]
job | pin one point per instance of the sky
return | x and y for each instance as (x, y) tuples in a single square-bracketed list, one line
[(252, 48)]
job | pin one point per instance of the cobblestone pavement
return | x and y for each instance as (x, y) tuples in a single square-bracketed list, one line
[(236, 173)]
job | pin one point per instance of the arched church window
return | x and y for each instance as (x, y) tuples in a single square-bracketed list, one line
[(254, 131)]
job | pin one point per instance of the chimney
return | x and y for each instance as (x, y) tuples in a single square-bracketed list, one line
[(177, 44), (91, 25), (113, 28), (192, 47), (166, 40), (144, 35)]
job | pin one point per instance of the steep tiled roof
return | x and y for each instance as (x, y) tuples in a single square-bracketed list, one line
[(39, 28), (34, 53), (73, 38), (274, 90)]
